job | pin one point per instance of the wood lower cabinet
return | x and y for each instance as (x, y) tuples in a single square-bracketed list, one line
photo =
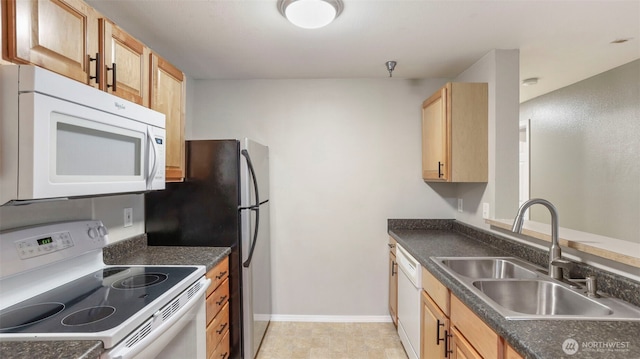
[(461, 348), (510, 353), (485, 341), (59, 35), (217, 307), (168, 95), (434, 330), (393, 282), (449, 329), (126, 64), (455, 134)]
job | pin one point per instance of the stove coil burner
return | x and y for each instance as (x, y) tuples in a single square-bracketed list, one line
[(88, 316), (28, 315), (140, 281)]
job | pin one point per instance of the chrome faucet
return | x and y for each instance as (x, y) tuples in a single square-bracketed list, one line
[(555, 254)]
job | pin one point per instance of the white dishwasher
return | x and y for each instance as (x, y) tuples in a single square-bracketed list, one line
[(409, 287)]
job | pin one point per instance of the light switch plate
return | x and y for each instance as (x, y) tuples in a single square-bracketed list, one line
[(485, 210), (460, 205)]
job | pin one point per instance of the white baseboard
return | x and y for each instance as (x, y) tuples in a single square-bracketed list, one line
[(331, 318)]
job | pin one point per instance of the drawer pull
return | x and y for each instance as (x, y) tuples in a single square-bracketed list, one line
[(438, 339), (222, 327), (222, 300), (222, 274), (113, 82), (224, 356), (97, 60), (446, 344)]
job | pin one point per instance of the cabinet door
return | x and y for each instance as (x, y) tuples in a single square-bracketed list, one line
[(510, 353), (461, 348), (58, 35), (434, 329), (129, 78), (435, 139), (393, 288), (168, 96)]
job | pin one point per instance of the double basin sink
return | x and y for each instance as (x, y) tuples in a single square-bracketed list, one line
[(519, 290)]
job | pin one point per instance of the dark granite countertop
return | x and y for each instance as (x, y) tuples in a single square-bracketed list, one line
[(132, 251), (540, 339)]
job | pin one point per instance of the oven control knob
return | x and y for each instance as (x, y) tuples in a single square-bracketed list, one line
[(93, 233), (102, 230)]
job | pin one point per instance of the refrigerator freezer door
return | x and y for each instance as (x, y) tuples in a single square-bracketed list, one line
[(257, 276)]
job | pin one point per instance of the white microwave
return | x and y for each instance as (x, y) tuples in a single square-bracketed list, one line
[(60, 138)]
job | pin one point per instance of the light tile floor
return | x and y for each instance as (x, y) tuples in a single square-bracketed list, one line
[(303, 340)]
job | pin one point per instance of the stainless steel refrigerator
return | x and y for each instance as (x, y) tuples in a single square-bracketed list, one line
[(224, 202)]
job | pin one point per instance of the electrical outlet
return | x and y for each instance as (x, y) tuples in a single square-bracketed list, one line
[(485, 210), (460, 205), (128, 217)]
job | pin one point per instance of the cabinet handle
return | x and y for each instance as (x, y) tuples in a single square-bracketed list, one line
[(440, 164), (222, 274), (221, 328), (391, 245), (438, 339), (97, 60), (113, 83), (224, 356), (222, 300), (393, 268), (446, 344)]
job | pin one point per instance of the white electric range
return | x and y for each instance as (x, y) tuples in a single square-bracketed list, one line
[(54, 285)]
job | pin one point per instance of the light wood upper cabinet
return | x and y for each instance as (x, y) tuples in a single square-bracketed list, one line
[(59, 35), (126, 64), (455, 134), (168, 95)]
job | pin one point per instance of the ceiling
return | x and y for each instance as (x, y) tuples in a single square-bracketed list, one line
[(560, 41)]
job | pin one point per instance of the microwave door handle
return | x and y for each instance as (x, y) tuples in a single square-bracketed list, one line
[(154, 169)]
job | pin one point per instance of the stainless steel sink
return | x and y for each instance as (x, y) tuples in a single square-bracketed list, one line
[(540, 297), (520, 291), (489, 268)]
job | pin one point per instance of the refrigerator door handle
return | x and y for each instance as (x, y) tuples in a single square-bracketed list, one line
[(247, 263), (255, 207)]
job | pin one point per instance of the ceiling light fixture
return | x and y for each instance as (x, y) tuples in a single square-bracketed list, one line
[(391, 65), (530, 81), (310, 14)]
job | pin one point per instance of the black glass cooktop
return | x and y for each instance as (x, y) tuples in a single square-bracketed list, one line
[(96, 302)]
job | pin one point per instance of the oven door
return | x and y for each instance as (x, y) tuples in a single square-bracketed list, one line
[(182, 335), (68, 149)]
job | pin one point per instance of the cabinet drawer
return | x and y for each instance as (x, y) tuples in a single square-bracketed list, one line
[(474, 330), (436, 290), (218, 274), (216, 330), (217, 300), (223, 348)]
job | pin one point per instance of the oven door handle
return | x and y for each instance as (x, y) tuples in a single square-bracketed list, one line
[(122, 351)]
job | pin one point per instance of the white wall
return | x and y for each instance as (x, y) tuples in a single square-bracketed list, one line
[(500, 69), (345, 157)]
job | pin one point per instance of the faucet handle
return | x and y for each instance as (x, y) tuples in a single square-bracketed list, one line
[(562, 263), (591, 284)]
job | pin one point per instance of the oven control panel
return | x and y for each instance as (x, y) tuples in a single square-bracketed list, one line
[(32, 247), (37, 246)]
